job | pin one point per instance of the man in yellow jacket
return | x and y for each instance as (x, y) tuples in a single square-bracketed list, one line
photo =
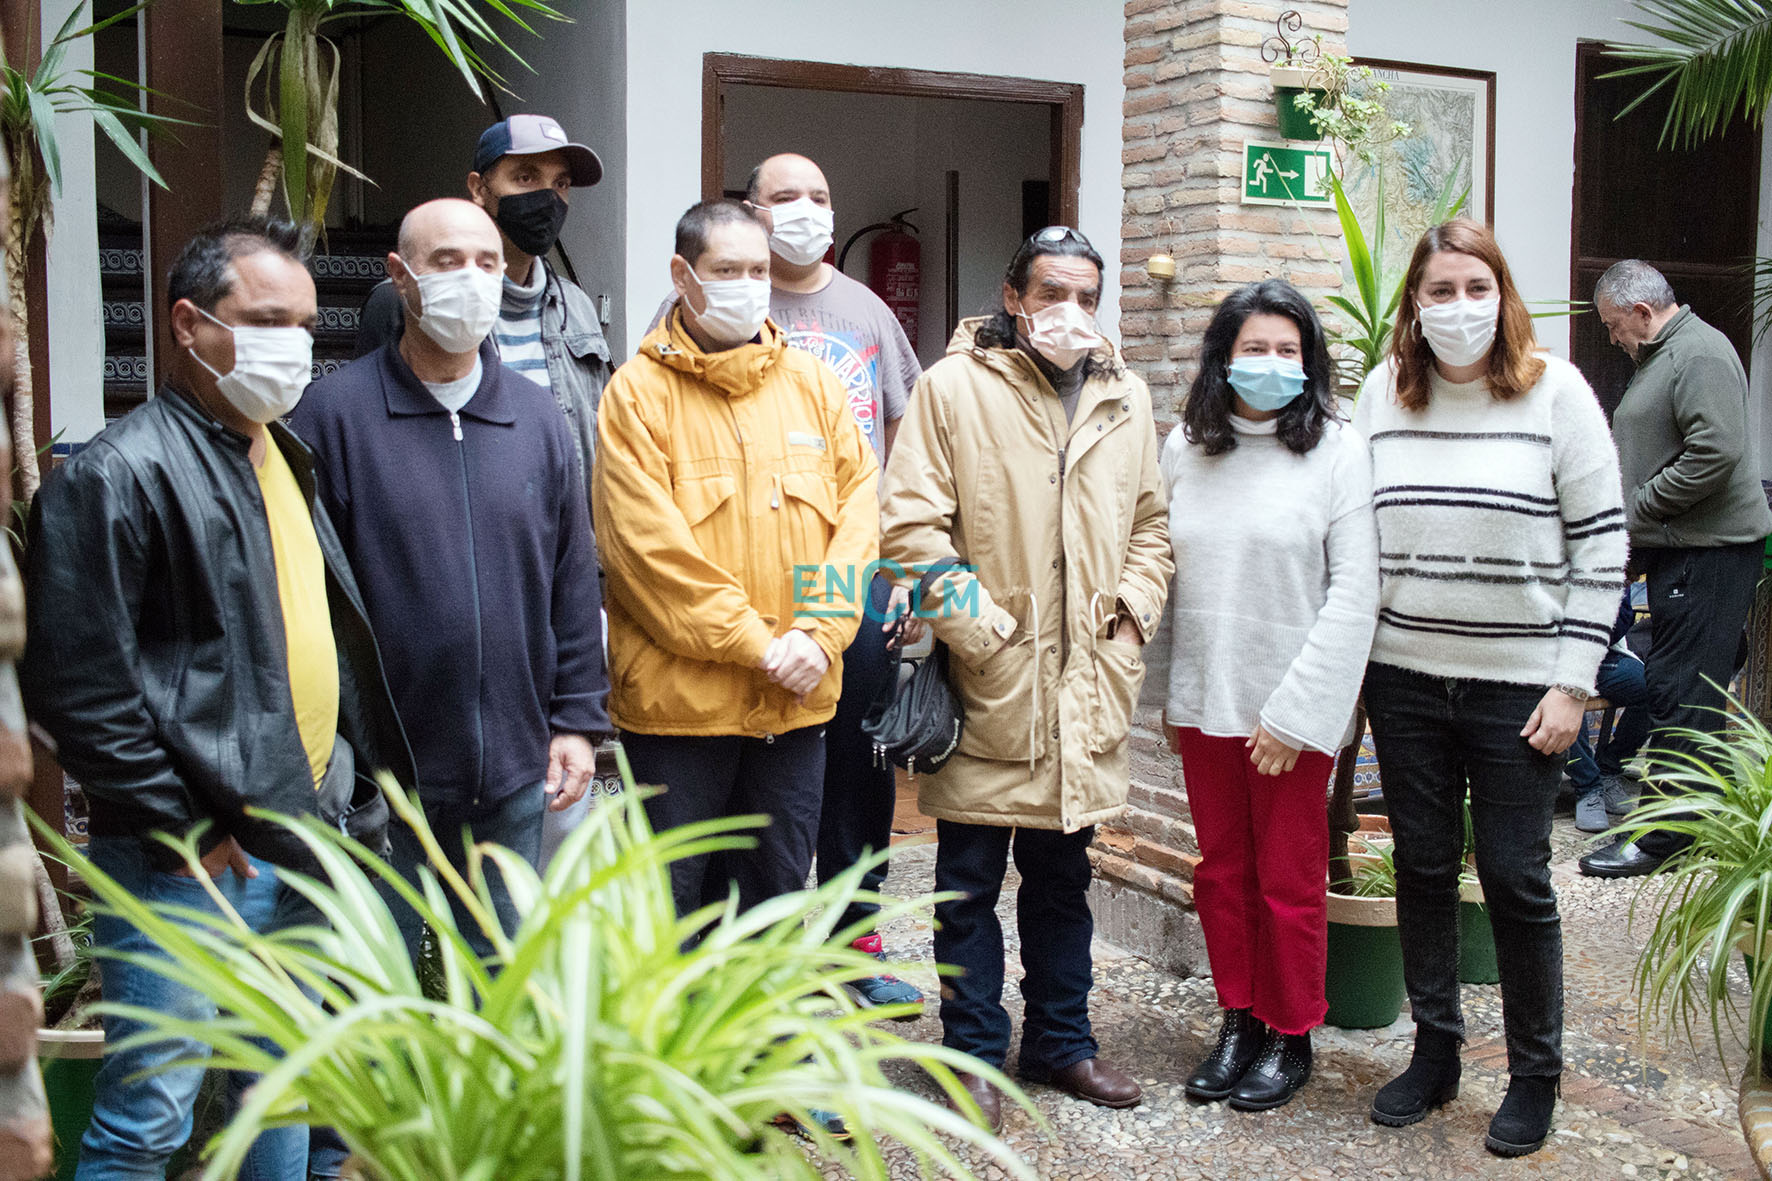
[(737, 513)]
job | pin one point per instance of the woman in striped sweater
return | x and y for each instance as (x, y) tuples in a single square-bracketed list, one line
[(1502, 554)]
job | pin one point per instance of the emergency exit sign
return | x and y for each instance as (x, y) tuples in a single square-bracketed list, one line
[(1285, 174)]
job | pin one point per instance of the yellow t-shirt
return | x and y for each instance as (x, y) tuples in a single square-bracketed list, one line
[(307, 620)]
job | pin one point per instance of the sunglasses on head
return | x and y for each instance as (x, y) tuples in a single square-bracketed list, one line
[(1052, 235)]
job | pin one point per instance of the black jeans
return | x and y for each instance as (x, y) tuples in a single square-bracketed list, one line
[(859, 791), (1052, 911), (779, 776), (1699, 600), (1435, 738)]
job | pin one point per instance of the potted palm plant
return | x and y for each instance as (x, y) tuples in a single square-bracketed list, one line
[(1712, 899), (603, 1039)]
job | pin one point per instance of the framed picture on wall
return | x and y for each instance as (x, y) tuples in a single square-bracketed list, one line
[(1451, 115)]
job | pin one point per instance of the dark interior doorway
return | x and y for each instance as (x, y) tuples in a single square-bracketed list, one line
[(1693, 214), (972, 154)]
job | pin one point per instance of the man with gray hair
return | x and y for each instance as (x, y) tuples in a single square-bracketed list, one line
[(1698, 516)]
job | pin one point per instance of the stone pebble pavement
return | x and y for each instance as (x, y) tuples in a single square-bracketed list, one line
[(1668, 1113)]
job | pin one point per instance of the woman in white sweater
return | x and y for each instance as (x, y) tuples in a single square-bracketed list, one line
[(1274, 599), (1502, 537)]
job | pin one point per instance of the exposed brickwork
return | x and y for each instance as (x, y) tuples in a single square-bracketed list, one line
[(1196, 89)]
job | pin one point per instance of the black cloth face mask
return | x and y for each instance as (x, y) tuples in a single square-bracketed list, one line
[(532, 220)]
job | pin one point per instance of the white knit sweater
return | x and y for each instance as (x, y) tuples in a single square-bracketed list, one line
[(1501, 529), (1276, 584)]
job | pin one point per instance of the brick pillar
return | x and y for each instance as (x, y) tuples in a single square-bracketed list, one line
[(1196, 89)]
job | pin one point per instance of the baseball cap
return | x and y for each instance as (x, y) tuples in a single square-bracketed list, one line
[(530, 135)]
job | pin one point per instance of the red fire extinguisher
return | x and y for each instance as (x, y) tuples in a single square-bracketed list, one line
[(895, 270)]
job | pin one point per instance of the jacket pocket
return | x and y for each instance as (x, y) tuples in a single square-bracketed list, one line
[(709, 508), (808, 506), (999, 701), (352, 803), (1119, 675)]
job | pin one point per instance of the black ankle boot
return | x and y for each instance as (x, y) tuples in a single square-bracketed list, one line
[(1431, 1081), (1239, 1043), (1524, 1120), (1283, 1067)]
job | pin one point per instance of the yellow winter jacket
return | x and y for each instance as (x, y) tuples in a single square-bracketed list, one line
[(734, 498)]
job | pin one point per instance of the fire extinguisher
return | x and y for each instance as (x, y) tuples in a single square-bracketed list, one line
[(895, 270)]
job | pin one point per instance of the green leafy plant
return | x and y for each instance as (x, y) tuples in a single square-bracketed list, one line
[(602, 1040), (1715, 54), (1375, 872), (1346, 105), (66, 981), (1718, 892), (297, 74), (29, 106)]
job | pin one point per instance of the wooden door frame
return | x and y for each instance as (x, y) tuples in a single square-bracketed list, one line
[(1065, 100)]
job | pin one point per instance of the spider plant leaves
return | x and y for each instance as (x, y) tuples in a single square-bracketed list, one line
[(602, 1039)]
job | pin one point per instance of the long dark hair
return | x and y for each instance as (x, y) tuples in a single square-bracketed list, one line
[(998, 330), (1206, 417)]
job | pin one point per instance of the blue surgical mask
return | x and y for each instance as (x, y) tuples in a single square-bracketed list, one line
[(1267, 383)]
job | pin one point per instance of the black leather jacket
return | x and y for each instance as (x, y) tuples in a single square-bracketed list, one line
[(155, 652)]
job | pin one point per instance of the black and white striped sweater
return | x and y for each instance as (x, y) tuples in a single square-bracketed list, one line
[(1501, 529)]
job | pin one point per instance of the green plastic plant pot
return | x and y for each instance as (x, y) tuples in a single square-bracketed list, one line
[(70, 1059), (1476, 945), (1294, 123), (1365, 977)]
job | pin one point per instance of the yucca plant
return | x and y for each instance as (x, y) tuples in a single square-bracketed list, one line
[(600, 1041), (1715, 894), (297, 74)]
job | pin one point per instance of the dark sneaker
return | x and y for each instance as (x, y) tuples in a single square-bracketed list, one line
[(1590, 812), (1619, 794), (871, 992)]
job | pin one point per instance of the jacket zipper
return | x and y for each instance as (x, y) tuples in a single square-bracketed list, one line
[(479, 634)]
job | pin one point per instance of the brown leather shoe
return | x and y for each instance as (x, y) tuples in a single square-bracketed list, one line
[(988, 1098), (1096, 1081)]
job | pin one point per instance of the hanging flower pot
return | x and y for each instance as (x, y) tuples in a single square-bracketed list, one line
[(1289, 83)]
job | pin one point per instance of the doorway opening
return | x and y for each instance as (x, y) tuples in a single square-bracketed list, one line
[(981, 161)]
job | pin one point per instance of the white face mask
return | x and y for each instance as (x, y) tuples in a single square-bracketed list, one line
[(1063, 333), (272, 366), (736, 308), (459, 307), (802, 230), (1459, 331)]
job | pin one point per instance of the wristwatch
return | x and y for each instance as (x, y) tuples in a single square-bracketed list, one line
[(1574, 691)]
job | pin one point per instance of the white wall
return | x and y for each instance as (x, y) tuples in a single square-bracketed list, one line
[(580, 79), (76, 307), (1057, 40), (886, 153)]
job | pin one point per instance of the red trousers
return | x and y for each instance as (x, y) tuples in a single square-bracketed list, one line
[(1264, 854)]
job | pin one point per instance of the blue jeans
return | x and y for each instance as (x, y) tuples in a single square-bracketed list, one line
[(1621, 683), (139, 1122), (514, 822), (1052, 912), (860, 791), (1437, 738)]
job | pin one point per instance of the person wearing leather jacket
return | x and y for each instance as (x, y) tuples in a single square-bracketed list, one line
[(197, 647)]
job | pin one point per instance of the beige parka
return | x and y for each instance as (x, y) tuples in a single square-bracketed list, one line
[(1063, 525)]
